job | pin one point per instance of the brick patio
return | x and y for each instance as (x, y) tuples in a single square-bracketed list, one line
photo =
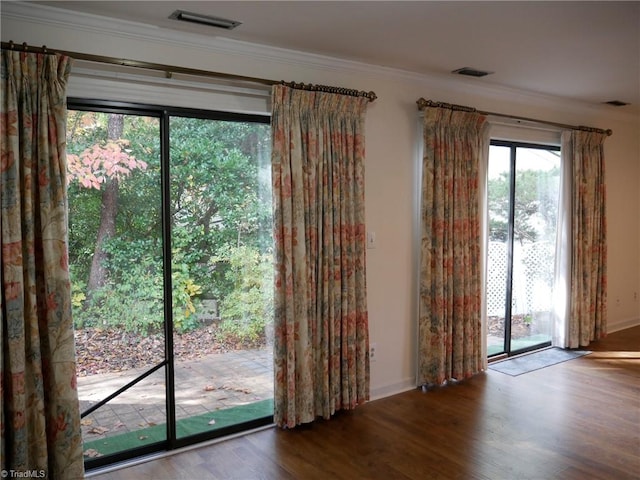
[(214, 382)]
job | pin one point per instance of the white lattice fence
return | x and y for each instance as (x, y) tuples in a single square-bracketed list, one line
[(532, 277)]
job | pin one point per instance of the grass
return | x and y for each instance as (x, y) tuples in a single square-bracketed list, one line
[(185, 427), (519, 344)]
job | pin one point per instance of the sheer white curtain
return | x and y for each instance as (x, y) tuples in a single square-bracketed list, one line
[(562, 273), (483, 199)]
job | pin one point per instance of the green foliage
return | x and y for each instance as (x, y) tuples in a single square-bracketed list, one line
[(248, 308), (184, 293), (132, 299), (220, 202), (535, 205), (215, 186), (78, 298), (139, 202), (84, 219)]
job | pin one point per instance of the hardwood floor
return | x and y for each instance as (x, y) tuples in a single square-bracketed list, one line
[(578, 420)]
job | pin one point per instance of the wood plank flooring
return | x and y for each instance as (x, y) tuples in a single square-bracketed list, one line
[(578, 420)]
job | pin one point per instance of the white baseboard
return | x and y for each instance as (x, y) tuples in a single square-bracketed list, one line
[(623, 324), (393, 389)]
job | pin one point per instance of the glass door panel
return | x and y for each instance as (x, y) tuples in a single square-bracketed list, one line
[(498, 269), (537, 175), (116, 266), (222, 273), (523, 190)]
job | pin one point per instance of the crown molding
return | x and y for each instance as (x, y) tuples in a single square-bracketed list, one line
[(95, 24), (56, 17)]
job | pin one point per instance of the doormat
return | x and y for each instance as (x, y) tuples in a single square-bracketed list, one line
[(535, 361), (185, 427)]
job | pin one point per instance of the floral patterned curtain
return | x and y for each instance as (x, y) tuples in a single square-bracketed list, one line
[(321, 325), (588, 319), (39, 409), (450, 316)]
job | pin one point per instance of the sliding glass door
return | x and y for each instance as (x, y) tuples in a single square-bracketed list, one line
[(171, 266), (523, 192)]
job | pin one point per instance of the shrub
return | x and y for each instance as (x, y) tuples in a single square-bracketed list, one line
[(248, 308), (132, 298)]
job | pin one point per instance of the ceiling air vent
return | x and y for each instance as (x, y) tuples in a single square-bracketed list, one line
[(204, 20), (471, 72), (616, 103)]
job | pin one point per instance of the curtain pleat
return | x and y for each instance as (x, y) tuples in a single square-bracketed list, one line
[(40, 408), (450, 318), (321, 339), (588, 319)]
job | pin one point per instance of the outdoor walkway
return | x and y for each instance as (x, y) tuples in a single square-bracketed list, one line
[(214, 382)]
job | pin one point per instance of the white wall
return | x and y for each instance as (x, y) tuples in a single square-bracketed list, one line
[(391, 143)]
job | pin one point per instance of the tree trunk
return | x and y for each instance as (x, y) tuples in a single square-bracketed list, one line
[(108, 213)]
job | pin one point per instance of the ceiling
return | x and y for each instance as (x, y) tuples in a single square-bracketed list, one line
[(587, 51)]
